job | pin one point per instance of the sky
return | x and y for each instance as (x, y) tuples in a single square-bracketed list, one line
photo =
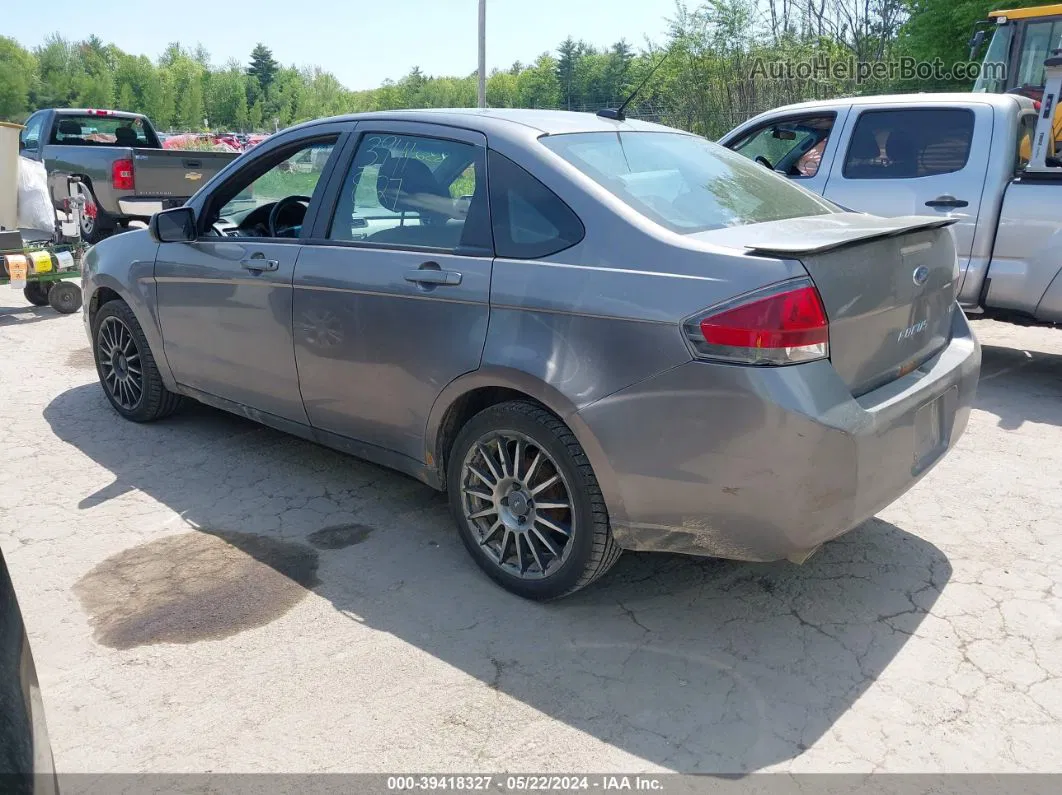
[(363, 43)]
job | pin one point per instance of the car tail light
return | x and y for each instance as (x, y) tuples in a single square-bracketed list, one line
[(122, 175), (782, 324)]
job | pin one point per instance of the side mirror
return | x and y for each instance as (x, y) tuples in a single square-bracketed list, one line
[(21, 144), (173, 226)]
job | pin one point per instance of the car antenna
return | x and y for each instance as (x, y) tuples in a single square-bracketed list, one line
[(617, 113)]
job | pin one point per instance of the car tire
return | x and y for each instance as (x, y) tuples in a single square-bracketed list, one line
[(521, 537), (37, 293), (65, 297), (118, 346)]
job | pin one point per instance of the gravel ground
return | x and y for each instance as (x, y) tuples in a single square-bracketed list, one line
[(205, 594)]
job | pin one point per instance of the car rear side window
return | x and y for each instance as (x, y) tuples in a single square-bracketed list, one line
[(909, 143), (411, 191), (683, 182), (529, 219)]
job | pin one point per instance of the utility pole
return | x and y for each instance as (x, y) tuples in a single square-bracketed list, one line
[(482, 101)]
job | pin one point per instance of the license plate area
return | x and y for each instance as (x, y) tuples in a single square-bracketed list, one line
[(929, 431)]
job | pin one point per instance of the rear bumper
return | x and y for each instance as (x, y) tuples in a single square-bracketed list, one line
[(768, 463), (147, 207)]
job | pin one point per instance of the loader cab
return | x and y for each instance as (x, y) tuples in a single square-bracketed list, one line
[(1019, 41)]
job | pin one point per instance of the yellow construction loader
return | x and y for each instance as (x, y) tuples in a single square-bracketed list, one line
[(1021, 40)]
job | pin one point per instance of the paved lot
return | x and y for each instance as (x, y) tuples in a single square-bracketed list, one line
[(205, 594)]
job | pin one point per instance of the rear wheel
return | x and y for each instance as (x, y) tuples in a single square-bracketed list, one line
[(37, 293), (96, 226), (126, 367), (65, 297), (527, 503)]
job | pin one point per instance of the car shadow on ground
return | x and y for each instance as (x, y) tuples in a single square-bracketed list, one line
[(21, 315), (697, 665), (1020, 386)]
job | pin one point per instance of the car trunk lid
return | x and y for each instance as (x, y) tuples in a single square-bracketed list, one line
[(887, 284)]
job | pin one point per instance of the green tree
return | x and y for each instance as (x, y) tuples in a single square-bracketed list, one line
[(263, 68), (17, 71), (537, 86), (942, 29)]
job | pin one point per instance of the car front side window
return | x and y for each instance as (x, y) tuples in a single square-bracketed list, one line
[(270, 198), (793, 146), (30, 135)]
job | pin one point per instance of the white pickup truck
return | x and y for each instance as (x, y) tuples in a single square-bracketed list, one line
[(960, 156)]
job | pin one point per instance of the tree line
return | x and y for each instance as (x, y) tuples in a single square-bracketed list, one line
[(714, 74)]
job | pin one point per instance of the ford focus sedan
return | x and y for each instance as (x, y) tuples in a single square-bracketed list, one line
[(593, 334)]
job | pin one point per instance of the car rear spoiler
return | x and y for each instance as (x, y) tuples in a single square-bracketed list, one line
[(819, 233)]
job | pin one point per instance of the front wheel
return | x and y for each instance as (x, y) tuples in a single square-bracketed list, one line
[(527, 503), (126, 367)]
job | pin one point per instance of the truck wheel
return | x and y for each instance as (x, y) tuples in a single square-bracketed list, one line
[(37, 293), (126, 367), (65, 297), (527, 504), (94, 227)]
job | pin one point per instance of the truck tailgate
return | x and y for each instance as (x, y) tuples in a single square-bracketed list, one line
[(174, 172)]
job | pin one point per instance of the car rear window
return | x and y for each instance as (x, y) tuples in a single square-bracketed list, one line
[(684, 182), (90, 129)]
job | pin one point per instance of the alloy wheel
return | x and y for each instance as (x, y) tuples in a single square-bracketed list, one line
[(119, 360), (518, 503)]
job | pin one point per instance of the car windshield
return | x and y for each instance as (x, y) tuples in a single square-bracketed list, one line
[(684, 182)]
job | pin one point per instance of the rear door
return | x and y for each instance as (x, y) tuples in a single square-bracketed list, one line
[(391, 293), (925, 160)]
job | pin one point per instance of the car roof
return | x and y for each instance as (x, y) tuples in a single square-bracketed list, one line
[(506, 120), (1004, 101)]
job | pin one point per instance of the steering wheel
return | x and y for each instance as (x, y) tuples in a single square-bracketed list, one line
[(274, 213), (763, 161)]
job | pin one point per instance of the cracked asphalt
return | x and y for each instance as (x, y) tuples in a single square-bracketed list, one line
[(205, 594)]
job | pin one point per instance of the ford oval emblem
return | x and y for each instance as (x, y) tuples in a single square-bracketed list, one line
[(920, 275)]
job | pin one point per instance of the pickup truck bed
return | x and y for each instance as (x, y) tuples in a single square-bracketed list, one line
[(120, 161)]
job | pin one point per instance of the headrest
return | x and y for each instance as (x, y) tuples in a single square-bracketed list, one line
[(864, 145), (125, 136), (69, 127), (399, 181)]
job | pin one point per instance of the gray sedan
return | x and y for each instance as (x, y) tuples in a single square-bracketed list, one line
[(594, 334)]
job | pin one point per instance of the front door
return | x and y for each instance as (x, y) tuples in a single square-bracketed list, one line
[(225, 300), (917, 161), (391, 294)]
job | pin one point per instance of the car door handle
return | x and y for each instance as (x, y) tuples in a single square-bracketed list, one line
[(259, 263), (947, 201), (433, 276), (192, 163)]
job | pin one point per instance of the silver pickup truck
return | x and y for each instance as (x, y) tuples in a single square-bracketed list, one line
[(123, 168), (959, 156)]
